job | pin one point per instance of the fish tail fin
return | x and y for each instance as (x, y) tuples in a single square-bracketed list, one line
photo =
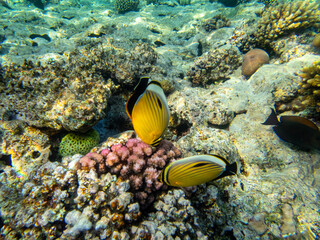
[(231, 169), (272, 119)]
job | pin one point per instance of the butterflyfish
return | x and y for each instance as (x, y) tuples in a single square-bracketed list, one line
[(148, 110), (195, 170), (296, 130)]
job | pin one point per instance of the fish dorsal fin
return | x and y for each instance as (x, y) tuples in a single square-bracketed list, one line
[(272, 119), (221, 158), (139, 89), (299, 120)]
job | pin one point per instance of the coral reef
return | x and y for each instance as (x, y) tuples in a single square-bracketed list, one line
[(175, 218), (253, 60), (81, 143), (72, 94), (59, 201), (39, 207), (218, 21), (123, 6), (136, 161), (214, 66)]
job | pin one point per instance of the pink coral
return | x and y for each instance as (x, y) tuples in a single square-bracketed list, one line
[(135, 161), (93, 160)]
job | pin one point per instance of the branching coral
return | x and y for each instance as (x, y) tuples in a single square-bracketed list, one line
[(280, 20), (214, 66), (135, 161)]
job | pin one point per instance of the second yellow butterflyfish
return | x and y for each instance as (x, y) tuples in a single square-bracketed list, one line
[(195, 170)]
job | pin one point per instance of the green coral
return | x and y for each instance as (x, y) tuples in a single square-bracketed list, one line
[(123, 6), (81, 143)]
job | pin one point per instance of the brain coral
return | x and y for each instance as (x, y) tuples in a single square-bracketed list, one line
[(81, 143), (253, 60), (123, 6)]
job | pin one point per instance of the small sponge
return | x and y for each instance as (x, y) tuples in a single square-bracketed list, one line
[(81, 143)]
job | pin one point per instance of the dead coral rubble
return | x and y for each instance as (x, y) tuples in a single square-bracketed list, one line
[(214, 66)]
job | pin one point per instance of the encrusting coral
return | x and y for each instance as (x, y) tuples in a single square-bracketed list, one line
[(81, 143), (136, 161), (214, 66)]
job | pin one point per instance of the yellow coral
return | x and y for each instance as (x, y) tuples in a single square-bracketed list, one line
[(284, 18), (310, 86)]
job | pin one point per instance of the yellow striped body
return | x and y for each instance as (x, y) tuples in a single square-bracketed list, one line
[(196, 170), (150, 113)]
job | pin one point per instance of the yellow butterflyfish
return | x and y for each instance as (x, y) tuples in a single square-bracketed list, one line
[(195, 170), (149, 112)]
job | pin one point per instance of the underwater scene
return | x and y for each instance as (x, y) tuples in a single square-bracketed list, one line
[(159, 119)]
